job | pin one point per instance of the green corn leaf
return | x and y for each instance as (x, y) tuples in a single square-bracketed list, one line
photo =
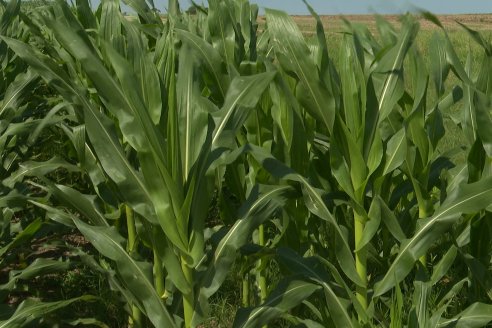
[(53, 117), (469, 119), (431, 18), (443, 266), (294, 55), (169, 258), (113, 160), (309, 268), (209, 57), (173, 7), (483, 107), (140, 131), (30, 310), (314, 202), (350, 78), (323, 56), (87, 159), (439, 67), (221, 29), (47, 68), (58, 215), (388, 75), (478, 38), (133, 118), (85, 14), (455, 62), (416, 118), (192, 117), (163, 190), (16, 93), (287, 295), (386, 30), (23, 237), (372, 226), (260, 205), (31, 168), (464, 199), (11, 11), (168, 216), (109, 23), (389, 219), (480, 273), (395, 151), (151, 88), (282, 114), (87, 322), (354, 156), (148, 14), (38, 267), (84, 204), (16, 129), (455, 289), (396, 309), (419, 314), (476, 315), (242, 95), (341, 171), (136, 275)]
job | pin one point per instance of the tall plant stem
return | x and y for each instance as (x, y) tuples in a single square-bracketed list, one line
[(245, 298), (132, 231), (424, 211), (423, 214), (360, 259), (158, 274), (188, 306), (261, 275), (136, 317)]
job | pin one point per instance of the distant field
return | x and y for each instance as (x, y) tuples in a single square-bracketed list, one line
[(334, 26), (464, 46), (334, 23)]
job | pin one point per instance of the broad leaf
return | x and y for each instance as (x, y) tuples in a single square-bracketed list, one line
[(469, 198)]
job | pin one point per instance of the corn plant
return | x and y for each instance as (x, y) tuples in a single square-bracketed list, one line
[(381, 149), (28, 113), (328, 185), (177, 138)]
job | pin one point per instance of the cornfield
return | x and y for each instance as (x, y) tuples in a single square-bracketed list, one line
[(185, 150)]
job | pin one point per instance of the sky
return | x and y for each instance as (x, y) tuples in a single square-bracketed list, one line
[(329, 7)]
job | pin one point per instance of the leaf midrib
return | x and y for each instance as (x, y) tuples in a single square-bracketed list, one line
[(240, 223), (19, 90), (425, 227), (141, 273)]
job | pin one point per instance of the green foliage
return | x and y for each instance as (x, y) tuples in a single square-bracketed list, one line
[(199, 144)]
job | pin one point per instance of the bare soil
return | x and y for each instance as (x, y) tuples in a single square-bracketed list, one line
[(335, 23)]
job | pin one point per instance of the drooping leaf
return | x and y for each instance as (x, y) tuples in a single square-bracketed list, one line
[(38, 267), (31, 168), (136, 275), (464, 199), (310, 268), (30, 310), (476, 315), (260, 205), (24, 236), (286, 296)]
